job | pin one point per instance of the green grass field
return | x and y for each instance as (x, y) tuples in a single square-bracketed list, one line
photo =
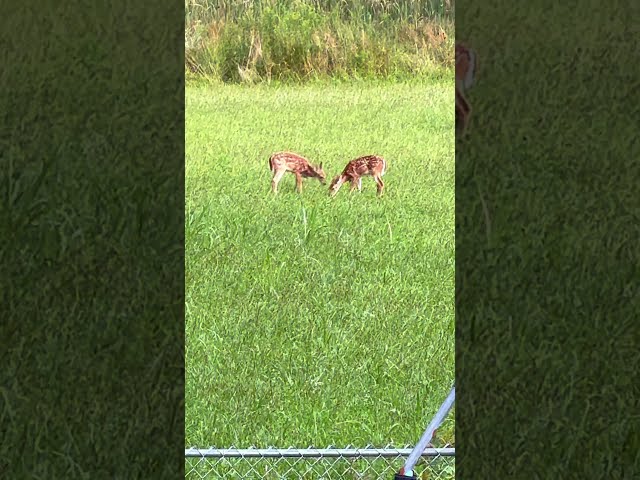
[(310, 320)]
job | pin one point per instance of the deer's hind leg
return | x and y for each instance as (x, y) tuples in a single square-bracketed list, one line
[(379, 184)]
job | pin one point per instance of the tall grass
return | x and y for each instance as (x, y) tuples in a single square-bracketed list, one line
[(237, 41), (403, 10)]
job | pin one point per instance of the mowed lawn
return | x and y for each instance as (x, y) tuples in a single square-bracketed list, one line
[(310, 320)]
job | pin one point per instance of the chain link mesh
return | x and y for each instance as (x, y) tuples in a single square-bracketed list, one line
[(350, 463)]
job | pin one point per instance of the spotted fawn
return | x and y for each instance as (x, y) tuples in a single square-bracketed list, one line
[(283, 162), (357, 168)]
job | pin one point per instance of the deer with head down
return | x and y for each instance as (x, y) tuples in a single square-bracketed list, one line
[(283, 162), (373, 165)]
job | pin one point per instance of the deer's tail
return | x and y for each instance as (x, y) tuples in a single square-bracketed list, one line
[(271, 163)]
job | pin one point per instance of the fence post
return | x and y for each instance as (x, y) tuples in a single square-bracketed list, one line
[(406, 472)]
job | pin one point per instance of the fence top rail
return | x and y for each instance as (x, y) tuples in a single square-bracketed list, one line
[(312, 452)]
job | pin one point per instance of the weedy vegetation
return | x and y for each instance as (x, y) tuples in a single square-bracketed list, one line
[(302, 40)]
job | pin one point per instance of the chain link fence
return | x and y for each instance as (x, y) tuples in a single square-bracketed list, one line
[(349, 463)]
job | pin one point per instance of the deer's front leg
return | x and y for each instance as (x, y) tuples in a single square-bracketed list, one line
[(276, 179), (299, 183), (355, 183)]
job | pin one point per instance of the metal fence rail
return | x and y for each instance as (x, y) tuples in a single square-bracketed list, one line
[(368, 463)]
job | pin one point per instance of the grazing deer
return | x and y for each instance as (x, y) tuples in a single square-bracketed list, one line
[(283, 162), (373, 165), (465, 76)]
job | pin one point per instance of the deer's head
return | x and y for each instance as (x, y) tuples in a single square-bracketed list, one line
[(334, 185), (318, 172)]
